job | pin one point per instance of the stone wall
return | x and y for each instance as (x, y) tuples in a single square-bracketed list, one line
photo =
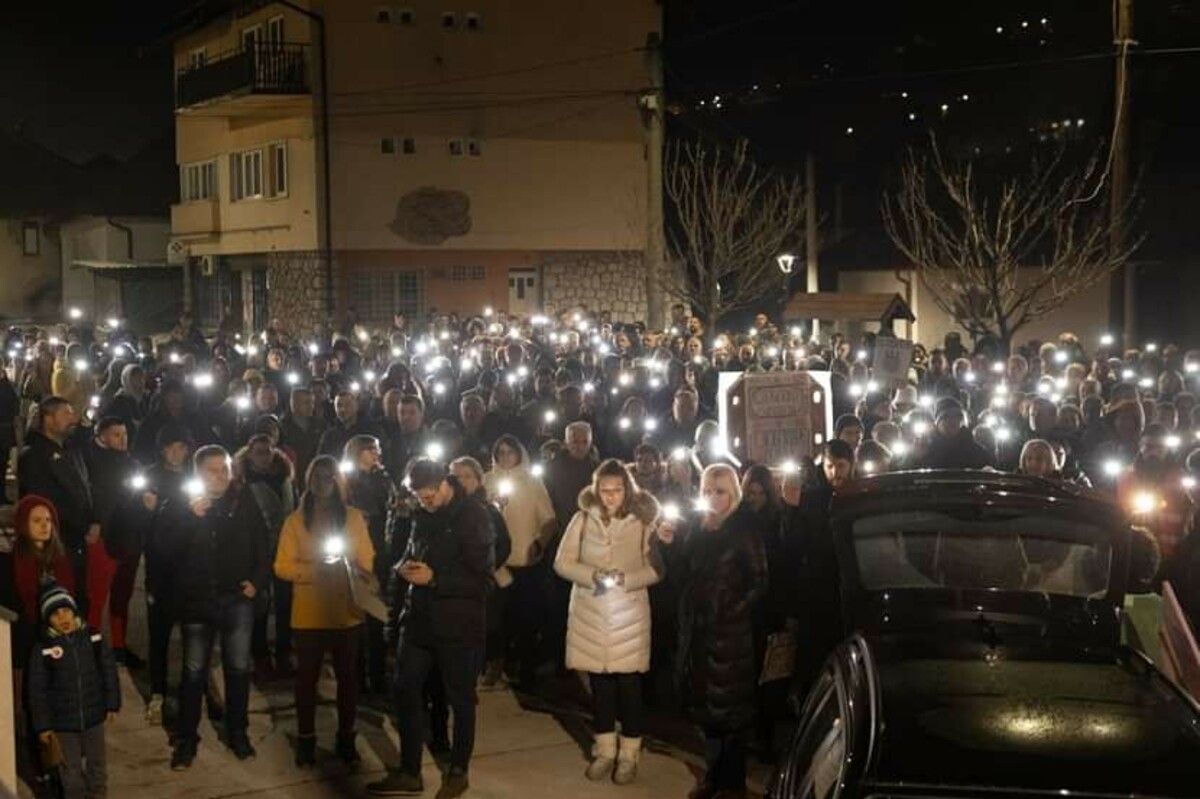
[(296, 289), (598, 281)]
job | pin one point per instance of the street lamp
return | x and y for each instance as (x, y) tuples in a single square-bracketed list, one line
[(786, 261)]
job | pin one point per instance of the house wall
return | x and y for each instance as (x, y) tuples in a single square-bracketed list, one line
[(547, 93), (32, 288), (1083, 315)]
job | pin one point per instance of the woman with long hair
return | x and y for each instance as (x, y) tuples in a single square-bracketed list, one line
[(318, 540), (718, 560), (606, 554), (529, 515)]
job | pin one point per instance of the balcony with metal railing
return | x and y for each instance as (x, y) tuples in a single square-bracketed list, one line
[(245, 80)]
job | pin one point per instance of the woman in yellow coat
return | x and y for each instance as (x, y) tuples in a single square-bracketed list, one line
[(71, 382), (315, 545)]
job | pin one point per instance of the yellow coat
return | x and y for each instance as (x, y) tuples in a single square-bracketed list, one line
[(321, 593)]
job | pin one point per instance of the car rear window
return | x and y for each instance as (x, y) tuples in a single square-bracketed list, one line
[(984, 550)]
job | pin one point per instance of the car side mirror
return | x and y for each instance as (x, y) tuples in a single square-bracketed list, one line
[(1145, 559)]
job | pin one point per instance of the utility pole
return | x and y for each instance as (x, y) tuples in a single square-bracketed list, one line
[(811, 244), (1125, 283), (651, 103)]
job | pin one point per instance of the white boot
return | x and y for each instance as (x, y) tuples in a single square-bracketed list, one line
[(604, 755), (627, 760)]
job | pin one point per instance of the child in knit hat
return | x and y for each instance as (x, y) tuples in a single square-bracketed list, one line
[(73, 690)]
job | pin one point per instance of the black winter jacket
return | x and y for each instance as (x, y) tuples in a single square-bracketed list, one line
[(110, 471), (207, 558), (166, 485), (457, 544), (722, 576), (72, 681), (59, 475)]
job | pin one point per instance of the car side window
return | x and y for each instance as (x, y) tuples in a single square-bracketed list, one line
[(821, 754)]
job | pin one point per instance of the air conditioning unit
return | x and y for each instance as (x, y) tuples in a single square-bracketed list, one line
[(208, 265)]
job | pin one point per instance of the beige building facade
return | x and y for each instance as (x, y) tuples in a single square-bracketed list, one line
[(490, 154)]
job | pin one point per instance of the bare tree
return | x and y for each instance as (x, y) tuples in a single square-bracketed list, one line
[(727, 220), (998, 260)]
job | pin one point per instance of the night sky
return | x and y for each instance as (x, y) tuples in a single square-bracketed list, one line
[(95, 80)]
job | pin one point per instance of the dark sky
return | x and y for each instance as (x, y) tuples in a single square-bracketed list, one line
[(85, 79)]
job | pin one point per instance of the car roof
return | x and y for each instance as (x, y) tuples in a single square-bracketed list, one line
[(1098, 722), (997, 487)]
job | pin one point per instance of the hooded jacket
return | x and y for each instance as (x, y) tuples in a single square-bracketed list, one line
[(271, 491), (608, 632), (528, 513)]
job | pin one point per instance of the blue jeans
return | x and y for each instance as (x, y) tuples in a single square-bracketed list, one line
[(233, 623), (459, 668)]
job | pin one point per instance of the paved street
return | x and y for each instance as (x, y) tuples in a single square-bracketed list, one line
[(525, 751)]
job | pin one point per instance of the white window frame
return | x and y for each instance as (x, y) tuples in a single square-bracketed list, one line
[(275, 23), (275, 169), (246, 184), (198, 181), (257, 30), (197, 57)]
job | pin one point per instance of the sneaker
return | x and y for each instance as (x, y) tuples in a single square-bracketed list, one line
[(454, 784), (183, 756), (154, 709), (241, 748), (397, 783), (306, 751)]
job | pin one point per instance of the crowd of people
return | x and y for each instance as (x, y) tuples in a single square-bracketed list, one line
[(525, 497)]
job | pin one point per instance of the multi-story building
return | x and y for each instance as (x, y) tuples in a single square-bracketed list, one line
[(457, 155)]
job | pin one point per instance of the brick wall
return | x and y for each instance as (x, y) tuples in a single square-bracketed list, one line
[(296, 289)]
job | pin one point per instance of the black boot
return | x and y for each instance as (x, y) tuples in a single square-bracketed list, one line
[(306, 751), (346, 749)]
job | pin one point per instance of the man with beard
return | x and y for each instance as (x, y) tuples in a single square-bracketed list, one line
[(49, 470)]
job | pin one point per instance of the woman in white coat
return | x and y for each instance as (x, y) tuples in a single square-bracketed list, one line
[(529, 516), (606, 554)]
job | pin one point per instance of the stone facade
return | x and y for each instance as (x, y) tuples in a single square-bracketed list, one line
[(296, 289), (597, 281)]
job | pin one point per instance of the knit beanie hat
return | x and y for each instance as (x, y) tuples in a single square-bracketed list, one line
[(53, 597)]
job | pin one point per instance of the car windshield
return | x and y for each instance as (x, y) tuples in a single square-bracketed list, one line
[(982, 549)]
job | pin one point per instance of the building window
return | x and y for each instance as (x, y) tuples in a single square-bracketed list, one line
[(472, 23), (376, 295), (246, 175), (407, 17), (251, 37), (277, 158), (275, 31), (449, 20), (410, 146), (387, 145), (474, 147), (383, 14), (198, 181), (31, 239), (456, 147), (197, 58), (465, 273)]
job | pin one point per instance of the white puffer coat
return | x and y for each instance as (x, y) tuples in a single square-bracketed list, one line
[(609, 633)]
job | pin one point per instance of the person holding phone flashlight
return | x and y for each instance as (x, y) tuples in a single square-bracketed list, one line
[(606, 555), (440, 599), (316, 543)]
